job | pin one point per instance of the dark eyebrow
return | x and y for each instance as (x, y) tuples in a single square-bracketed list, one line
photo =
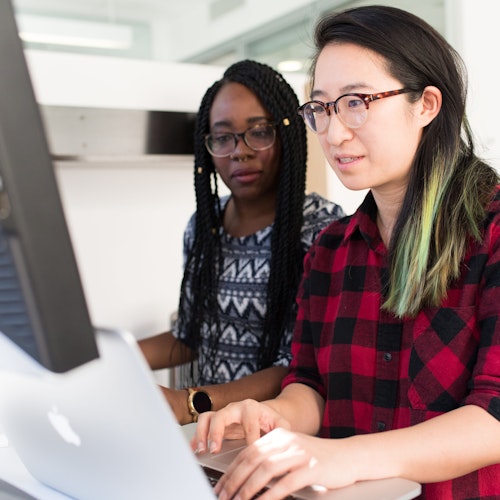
[(250, 121), (353, 87), (221, 123)]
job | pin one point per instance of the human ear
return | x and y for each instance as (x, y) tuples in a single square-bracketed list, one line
[(430, 104)]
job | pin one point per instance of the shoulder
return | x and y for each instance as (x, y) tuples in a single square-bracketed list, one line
[(190, 227), (360, 226), (494, 206), (318, 214), (492, 221), (223, 201), (315, 206), (189, 232), (191, 224)]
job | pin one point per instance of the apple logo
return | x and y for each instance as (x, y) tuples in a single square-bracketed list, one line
[(61, 424)]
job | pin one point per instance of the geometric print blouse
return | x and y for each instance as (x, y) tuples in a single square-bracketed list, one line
[(243, 292)]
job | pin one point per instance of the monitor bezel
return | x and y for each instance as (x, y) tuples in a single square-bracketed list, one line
[(32, 217)]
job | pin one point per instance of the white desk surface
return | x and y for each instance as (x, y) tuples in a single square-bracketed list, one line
[(15, 473)]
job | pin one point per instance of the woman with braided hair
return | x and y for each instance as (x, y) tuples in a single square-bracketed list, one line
[(243, 252)]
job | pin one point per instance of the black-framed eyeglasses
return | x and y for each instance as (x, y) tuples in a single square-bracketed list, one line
[(351, 109), (257, 137)]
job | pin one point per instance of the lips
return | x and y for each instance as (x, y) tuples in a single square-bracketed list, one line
[(246, 175), (343, 160), (346, 162)]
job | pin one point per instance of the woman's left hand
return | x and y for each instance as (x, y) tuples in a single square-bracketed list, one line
[(294, 460)]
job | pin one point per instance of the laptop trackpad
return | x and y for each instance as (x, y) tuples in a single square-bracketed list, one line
[(221, 460)]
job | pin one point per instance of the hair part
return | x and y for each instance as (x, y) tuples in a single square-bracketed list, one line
[(449, 187)]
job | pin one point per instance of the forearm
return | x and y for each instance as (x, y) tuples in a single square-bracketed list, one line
[(302, 406), (442, 448), (165, 351), (264, 384), (261, 385)]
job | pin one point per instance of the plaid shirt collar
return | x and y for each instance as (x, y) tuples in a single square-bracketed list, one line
[(364, 222)]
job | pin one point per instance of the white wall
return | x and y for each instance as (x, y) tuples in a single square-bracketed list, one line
[(473, 31), (83, 80), (126, 222)]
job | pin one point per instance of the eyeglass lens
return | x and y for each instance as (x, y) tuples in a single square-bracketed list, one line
[(259, 137), (351, 110)]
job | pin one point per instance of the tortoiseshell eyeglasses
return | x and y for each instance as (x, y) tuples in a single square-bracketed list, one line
[(351, 109)]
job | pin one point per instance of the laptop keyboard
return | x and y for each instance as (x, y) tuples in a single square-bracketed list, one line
[(214, 475)]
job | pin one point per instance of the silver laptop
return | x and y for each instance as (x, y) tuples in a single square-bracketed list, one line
[(104, 430)]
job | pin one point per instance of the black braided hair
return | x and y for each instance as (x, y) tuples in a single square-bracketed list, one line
[(204, 260)]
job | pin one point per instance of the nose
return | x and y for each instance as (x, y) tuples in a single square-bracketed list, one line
[(241, 148), (337, 132)]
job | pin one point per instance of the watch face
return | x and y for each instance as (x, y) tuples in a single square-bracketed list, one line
[(202, 402)]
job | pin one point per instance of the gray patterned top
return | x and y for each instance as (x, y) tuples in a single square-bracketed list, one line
[(242, 294)]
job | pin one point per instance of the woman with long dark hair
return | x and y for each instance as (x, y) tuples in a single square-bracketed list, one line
[(396, 350)]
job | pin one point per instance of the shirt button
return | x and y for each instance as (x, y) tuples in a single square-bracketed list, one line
[(387, 356), (381, 426)]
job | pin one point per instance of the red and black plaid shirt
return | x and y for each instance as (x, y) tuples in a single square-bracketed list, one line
[(378, 372)]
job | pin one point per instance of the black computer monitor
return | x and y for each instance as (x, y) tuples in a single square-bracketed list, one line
[(42, 303)]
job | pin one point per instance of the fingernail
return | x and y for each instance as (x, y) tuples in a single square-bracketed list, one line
[(213, 446), (200, 448)]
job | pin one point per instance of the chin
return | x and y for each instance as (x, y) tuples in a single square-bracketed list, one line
[(357, 187)]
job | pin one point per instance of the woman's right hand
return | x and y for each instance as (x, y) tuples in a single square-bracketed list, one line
[(294, 459), (247, 420)]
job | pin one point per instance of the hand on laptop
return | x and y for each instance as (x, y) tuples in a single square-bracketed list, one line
[(294, 460), (273, 450), (247, 420)]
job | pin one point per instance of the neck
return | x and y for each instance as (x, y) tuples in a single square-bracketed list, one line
[(385, 226), (388, 208), (245, 217)]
